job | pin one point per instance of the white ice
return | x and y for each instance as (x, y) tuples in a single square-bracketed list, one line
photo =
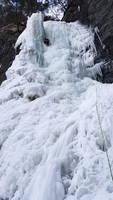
[(51, 146)]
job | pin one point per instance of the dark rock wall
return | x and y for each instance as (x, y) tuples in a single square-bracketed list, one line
[(76, 10), (8, 37), (96, 13), (100, 14)]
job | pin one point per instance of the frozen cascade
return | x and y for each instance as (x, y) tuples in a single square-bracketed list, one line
[(31, 40), (50, 144)]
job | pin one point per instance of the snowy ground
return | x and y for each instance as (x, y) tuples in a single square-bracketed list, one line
[(51, 147)]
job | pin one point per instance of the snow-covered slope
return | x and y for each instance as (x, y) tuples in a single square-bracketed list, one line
[(51, 146)]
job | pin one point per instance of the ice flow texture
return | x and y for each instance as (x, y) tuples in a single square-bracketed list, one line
[(51, 148)]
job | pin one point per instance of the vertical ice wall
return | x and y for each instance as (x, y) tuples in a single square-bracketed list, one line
[(31, 40)]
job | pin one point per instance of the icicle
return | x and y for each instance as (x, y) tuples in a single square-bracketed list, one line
[(31, 40)]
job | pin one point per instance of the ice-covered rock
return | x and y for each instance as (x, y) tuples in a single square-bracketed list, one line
[(52, 148)]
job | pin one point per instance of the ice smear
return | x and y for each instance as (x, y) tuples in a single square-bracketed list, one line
[(50, 144)]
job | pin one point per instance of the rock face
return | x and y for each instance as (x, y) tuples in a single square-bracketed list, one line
[(76, 10), (98, 14), (8, 37)]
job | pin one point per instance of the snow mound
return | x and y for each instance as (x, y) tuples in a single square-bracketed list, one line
[(51, 147)]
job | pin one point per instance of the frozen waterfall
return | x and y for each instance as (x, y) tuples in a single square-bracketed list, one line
[(50, 143)]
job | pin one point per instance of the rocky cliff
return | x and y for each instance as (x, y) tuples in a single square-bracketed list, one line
[(99, 15), (8, 37)]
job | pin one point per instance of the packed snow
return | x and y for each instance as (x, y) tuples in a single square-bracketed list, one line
[(51, 147)]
